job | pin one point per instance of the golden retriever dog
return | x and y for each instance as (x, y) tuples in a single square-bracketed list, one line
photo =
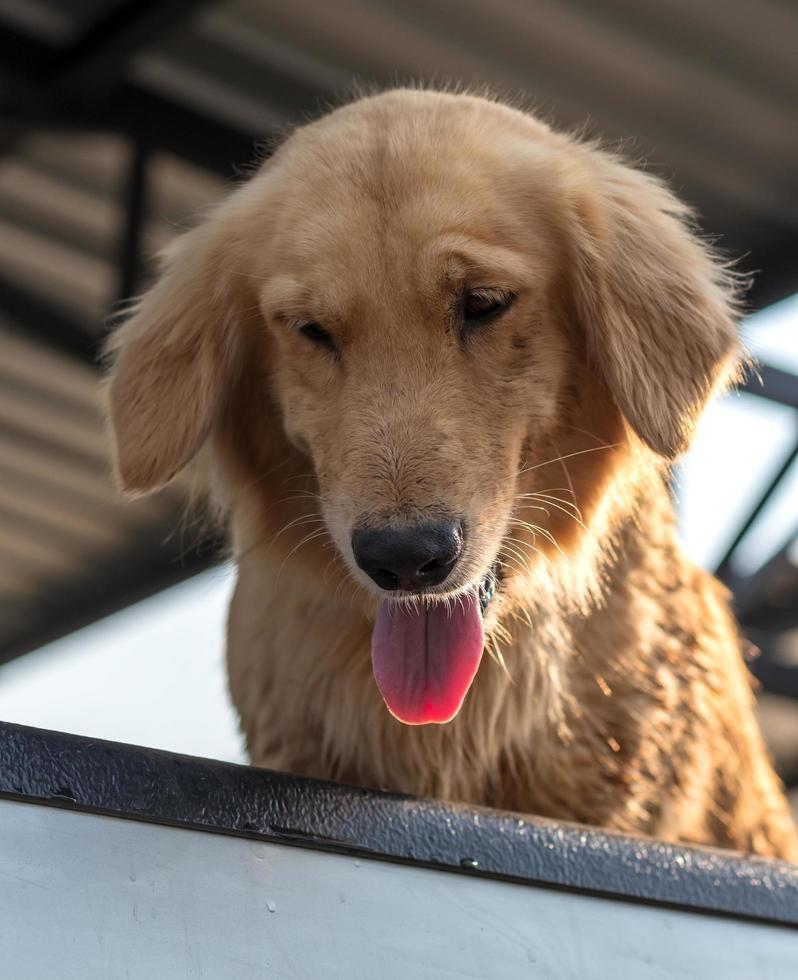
[(436, 360)]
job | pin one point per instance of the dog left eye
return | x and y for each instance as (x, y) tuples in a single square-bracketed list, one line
[(318, 336), (480, 306)]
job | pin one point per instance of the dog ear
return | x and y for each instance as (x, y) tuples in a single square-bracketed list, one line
[(171, 361), (656, 308)]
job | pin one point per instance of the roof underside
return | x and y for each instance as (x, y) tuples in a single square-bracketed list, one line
[(122, 119)]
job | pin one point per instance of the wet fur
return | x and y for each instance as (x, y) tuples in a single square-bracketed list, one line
[(616, 692)]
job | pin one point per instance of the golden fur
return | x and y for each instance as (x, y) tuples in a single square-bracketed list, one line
[(616, 693)]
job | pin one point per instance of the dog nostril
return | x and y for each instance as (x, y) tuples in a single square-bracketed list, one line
[(385, 579)]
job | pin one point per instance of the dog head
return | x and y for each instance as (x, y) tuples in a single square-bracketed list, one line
[(428, 297)]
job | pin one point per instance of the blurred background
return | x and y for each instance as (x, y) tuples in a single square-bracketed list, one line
[(119, 121)]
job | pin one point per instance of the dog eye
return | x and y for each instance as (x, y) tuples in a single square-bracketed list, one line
[(318, 335), (482, 305)]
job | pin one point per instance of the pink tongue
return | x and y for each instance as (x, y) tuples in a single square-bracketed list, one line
[(425, 659)]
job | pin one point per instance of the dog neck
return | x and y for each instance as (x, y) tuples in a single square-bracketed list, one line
[(308, 700)]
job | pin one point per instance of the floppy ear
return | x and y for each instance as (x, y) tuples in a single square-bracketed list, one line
[(656, 308), (171, 360)]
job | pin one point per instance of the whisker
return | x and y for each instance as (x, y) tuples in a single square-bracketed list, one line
[(273, 469), (513, 564), (551, 498), (303, 519), (495, 654), (576, 517), (532, 506), (309, 537), (524, 525), (580, 452), (302, 495), (531, 547), (585, 432), (549, 495), (519, 555), (549, 537), (545, 490)]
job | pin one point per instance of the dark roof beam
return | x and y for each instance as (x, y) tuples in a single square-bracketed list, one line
[(99, 57), (135, 200), (40, 76), (148, 569), (48, 322), (154, 120)]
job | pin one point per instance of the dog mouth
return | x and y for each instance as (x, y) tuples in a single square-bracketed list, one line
[(425, 656)]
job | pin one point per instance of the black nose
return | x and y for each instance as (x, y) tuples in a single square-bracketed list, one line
[(410, 558)]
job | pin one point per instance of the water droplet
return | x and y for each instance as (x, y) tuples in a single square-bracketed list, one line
[(357, 863), (271, 906), (469, 863), (132, 875)]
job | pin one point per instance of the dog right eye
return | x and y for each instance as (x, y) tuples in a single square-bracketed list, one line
[(482, 306), (319, 336)]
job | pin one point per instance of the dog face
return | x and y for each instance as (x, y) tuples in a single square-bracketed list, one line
[(431, 289), (410, 346)]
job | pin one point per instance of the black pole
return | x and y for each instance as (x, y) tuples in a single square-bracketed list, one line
[(135, 202), (723, 571)]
